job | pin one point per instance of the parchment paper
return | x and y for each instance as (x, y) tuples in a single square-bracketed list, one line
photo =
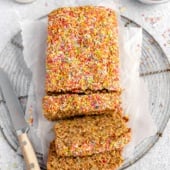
[(135, 97)]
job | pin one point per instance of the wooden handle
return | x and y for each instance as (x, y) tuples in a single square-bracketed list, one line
[(28, 152)]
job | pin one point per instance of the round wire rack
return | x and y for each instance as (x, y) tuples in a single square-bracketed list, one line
[(154, 69)]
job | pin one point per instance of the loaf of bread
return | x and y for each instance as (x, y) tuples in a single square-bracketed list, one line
[(69, 105), (90, 135), (83, 90), (105, 161), (82, 52)]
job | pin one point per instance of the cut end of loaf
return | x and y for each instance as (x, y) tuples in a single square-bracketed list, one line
[(108, 160)]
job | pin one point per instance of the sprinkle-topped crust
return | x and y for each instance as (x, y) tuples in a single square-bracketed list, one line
[(82, 78), (82, 51), (69, 105), (90, 135), (105, 161)]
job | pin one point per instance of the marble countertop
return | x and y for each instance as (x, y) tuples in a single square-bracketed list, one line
[(155, 19)]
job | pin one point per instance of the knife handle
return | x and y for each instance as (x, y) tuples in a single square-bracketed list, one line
[(28, 152)]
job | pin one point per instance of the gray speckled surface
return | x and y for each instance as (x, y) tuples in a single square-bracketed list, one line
[(153, 18)]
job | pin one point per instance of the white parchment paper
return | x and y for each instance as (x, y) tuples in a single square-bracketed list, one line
[(135, 96)]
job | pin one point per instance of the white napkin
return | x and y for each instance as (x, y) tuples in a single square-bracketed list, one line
[(135, 97)]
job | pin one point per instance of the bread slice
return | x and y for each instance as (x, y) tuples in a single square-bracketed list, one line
[(90, 135), (82, 52), (105, 161), (69, 105)]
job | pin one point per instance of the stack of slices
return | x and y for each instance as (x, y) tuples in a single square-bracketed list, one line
[(83, 93)]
